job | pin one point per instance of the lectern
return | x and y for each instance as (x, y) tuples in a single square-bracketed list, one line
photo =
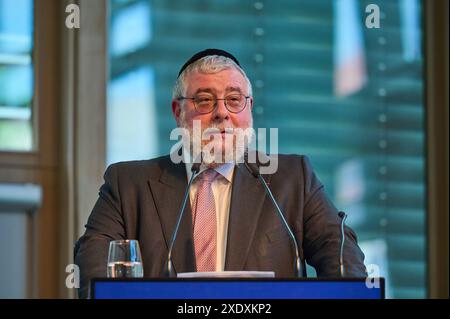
[(229, 288)]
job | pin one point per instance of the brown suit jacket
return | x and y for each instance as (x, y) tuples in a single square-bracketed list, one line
[(141, 199)]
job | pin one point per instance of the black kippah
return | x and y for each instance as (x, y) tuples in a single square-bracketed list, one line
[(207, 52)]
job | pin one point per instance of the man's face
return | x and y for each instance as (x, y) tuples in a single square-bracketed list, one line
[(220, 85)]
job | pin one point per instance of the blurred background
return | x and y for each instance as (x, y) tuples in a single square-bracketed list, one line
[(367, 103)]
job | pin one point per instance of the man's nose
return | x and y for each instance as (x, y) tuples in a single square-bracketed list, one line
[(221, 111)]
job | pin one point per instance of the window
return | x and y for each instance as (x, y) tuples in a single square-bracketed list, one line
[(16, 75), (348, 96)]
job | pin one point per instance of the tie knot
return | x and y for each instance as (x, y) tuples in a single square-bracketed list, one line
[(208, 175)]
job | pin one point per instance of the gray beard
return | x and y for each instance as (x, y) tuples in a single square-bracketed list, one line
[(212, 158)]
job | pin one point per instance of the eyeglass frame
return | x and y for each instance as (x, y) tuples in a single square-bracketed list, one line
[(216, 104)]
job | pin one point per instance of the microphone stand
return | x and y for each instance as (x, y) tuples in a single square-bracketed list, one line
[(254, 170), (195, 169), (343, 217)]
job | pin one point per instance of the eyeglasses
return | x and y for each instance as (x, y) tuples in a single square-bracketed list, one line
[(206, 103)]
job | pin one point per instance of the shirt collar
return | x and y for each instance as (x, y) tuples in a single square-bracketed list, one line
[(226, 170)]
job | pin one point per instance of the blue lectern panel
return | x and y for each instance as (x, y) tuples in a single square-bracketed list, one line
[(236, 289)]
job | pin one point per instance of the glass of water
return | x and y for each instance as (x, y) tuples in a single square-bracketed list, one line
[(124, 259)]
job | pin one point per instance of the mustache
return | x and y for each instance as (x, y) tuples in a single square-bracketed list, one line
[(228, 128), (221, 128)]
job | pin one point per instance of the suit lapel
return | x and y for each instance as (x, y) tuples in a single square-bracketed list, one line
[(168, 193), (247, 200)]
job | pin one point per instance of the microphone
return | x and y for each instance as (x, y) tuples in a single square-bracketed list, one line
[(254, 170), (195, 169), (343, 217)]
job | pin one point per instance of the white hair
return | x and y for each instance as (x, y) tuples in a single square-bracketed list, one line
[(207, 64)]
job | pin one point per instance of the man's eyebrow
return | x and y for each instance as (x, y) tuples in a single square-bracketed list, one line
[(207, 90), (233, 88), (212, 91)]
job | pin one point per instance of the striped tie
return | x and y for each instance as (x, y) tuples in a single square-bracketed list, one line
[(204, 221)]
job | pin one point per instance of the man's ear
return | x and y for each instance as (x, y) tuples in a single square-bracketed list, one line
[(176, 110)]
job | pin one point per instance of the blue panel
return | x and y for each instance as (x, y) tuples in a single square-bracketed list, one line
[(131, 29), (236, 289), (16, 26)]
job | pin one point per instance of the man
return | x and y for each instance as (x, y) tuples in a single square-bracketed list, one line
[(229, 222)]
